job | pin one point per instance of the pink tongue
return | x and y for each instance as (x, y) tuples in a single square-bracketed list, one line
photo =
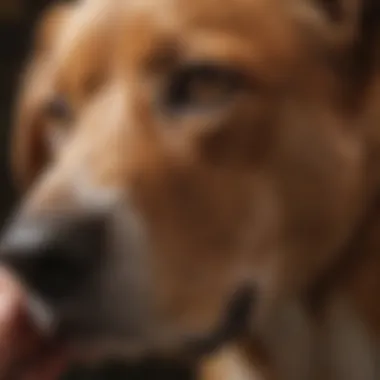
[(49, 367), (24, 355)]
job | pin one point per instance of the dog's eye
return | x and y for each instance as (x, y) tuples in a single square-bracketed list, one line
[(199, 87), (58, 109)]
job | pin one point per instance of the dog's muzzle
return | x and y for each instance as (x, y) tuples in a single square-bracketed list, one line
[(87, 280), (54, 256)]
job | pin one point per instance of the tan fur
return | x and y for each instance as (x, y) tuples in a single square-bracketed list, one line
[(268, 191)]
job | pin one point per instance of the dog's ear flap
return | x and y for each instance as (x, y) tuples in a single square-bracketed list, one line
[(349, 22), (349, 32), (341, 12), (337, 21), (29, 145)]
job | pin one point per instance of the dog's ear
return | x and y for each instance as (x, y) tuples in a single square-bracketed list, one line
[(29, 146), (339, 22), (348, 34)]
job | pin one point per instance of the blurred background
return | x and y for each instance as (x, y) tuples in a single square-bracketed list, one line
[(17, 20)]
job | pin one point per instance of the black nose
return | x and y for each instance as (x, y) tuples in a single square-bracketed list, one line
[(53, 256)]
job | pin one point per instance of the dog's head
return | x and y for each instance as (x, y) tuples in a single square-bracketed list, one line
[(176, 152)]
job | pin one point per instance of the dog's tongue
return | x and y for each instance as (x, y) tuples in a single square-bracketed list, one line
[(47, 367), (24, 354)]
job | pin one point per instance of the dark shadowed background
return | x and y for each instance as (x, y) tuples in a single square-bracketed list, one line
[(17, 19)]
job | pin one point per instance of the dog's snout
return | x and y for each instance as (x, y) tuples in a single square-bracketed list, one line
[(53, 256)]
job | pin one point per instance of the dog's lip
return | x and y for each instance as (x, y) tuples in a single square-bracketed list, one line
[(49, 363), (44, 359)]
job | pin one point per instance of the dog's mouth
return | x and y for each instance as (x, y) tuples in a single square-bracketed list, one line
[(235, 323), (87, 346), (31, 355), (48, 364)]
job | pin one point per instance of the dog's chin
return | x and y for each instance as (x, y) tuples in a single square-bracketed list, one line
[(90, 344), (94, 349), (97, 348)]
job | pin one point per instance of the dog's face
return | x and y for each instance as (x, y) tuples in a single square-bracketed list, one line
[(176, 152)]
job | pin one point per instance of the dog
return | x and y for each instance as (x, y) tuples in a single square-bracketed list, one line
[(201, 178)]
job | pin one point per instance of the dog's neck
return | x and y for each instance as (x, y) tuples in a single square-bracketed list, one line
[(333, 332)]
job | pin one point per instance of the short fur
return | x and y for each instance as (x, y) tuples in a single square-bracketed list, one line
[(277, 191)]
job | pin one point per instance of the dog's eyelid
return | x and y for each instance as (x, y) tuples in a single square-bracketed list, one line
[(181, 92)]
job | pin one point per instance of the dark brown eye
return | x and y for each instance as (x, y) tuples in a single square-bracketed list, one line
[(199, 87), (58, 109)]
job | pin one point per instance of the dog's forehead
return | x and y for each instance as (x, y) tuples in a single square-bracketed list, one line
[(97, 29), (241, 16)]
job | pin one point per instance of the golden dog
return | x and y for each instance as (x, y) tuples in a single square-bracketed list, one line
[(201, 174)]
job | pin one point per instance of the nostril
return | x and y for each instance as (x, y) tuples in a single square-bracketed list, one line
[(54, 257), (55, 274)]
